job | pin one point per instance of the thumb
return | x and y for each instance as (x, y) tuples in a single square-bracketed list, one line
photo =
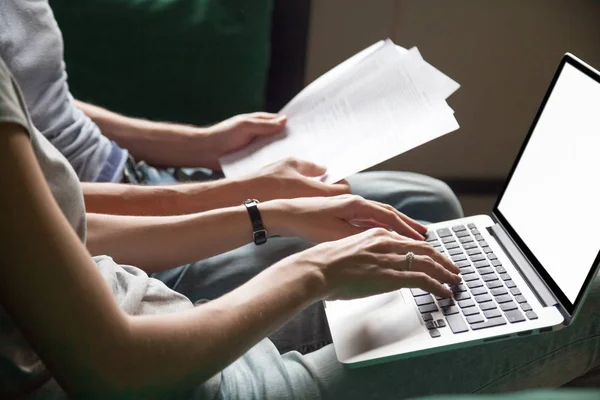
[(308, 168), (265, 127)]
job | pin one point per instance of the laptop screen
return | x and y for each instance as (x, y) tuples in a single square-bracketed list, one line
[(551, 204)]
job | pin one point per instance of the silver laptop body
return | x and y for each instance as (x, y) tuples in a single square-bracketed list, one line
[(526, 268)]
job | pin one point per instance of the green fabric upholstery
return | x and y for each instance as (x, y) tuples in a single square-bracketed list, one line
[(558, 394), (194, 61)]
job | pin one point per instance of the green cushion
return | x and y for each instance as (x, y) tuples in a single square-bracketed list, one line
[(557, 394), (194, 61)]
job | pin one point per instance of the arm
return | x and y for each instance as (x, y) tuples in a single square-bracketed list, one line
[(92, 347), (285, 179), (95, 350), (178, 145)]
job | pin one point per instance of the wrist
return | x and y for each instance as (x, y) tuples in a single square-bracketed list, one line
[(276, 217)]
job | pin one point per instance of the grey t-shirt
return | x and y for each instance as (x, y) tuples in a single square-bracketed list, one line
[(22, 374), (32, 47)]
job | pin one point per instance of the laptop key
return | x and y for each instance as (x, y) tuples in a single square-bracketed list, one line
[(481, 264), (474, 284), (456, 323), (473, 252), (434, 333), (476, 318), (478, 291), (489, 277), (500, 270), (449, 310), (470, 311), (488, 305), (505, 277), (520, 299), (468, 246), (440, 323), (485, 270), (470, 277), (462, 296), (430, 324), (459, 228), (427, 317), (514, 316), (444, 232), (511, 305), (452, 245), (483, 298), (490, 323), (445, 302), (478, 237), (492, 256), (434, 243), (471, 226), (494, 284), (465, 263), (531, 315), (505, 298), (429, 308), (486, 249), (496, 263), (462, 234), (499, 291), (458, 288), (483, 243), (515, 291), (479, 257), (466, 303), (526, 307), (492, 313), (448, 239), (455, 252), (423, 300), (510, 284), (458, 258), (465, 239), (418, 292)]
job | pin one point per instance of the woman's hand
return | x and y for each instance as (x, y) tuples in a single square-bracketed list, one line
[(322, 219), (374, 262), (291, 178)]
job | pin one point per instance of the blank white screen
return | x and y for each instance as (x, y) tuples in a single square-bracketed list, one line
[(552, 198)]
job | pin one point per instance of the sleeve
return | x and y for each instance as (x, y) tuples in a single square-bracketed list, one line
[(12, 105)]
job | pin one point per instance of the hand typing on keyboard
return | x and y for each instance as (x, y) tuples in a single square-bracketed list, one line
[(374, 262)]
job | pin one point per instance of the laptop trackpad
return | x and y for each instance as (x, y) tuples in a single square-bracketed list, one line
[(374, 322)]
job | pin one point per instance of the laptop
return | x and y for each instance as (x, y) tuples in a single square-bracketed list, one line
[(525, 269)]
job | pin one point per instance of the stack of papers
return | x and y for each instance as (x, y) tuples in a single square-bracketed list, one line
[(380, 103)]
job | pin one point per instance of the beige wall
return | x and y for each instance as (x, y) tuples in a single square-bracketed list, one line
[(503, 52)]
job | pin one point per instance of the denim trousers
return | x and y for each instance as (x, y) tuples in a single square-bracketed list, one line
[(275, 369)]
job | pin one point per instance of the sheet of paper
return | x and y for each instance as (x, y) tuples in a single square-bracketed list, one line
[(376, 110)]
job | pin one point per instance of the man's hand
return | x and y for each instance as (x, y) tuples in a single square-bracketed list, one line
[(237, 132), (322, 219), (289, 179)]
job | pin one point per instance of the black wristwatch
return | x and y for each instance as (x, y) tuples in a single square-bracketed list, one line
[(258, 229)]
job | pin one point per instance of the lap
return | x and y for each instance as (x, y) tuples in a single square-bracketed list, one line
[(546, 360)]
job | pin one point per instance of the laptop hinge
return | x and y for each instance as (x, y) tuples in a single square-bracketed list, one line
[(537, 284)]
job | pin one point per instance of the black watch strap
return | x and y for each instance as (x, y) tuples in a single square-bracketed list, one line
[(258, 229)]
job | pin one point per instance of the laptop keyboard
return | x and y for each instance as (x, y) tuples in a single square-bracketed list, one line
[(486, 297)]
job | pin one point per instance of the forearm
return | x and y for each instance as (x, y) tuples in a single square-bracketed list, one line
[(122, 199), (182, 350), (157, 143), (159, 243)]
